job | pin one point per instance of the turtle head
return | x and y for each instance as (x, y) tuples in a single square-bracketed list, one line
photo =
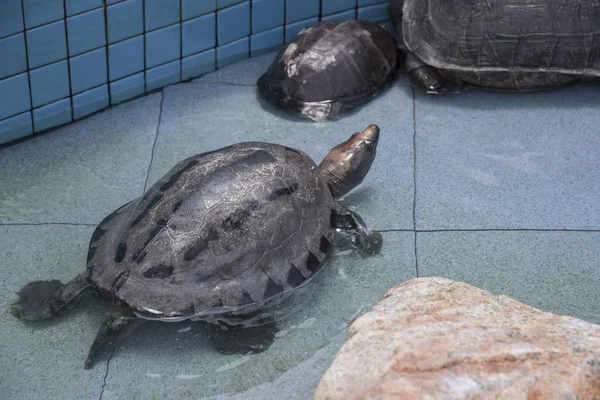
[(347, 164)]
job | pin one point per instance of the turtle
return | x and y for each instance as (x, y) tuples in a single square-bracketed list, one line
[(331, 68), (221, 238), (515, 46)]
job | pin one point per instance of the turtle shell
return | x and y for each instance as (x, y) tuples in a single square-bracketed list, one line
[(330, 68), (219, 232), (498, 35)]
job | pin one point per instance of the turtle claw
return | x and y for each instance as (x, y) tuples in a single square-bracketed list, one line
[(37, 300)]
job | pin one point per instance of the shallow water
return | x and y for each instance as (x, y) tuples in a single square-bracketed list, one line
[(505, 199)]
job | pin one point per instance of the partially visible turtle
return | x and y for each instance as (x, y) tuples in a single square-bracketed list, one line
[(331, 68), (219, 238), (497, 44)]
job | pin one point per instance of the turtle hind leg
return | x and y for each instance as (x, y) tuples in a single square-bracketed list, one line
[(118, 323), (239, 339), (427, 78), (43, 299), (366, 241)]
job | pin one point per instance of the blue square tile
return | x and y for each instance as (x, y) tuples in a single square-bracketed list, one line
[(266, 14), (199, 34), (39, 12), (298, 10), (15, 128), (362, 3), (14, 96), (126, 57), (163, 46), (127, 88), (335, 6), (49, 83), (195, 8), (88, 70), (14, 59), (233, 52), (343, 16), (86, 32), (266, 42), (233, 23), (11, 17), (46, 44), (79, 6), (89, 102), (125, 20), (376, 13), (163, 75), (292, 30), (160, 13), (51, 115), (226, 3), (198, 64), (109, 2)]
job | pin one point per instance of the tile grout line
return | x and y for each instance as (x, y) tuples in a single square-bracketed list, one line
[(414, 210), (162, 98)]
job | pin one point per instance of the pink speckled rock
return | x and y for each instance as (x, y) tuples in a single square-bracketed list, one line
[(433, 338)]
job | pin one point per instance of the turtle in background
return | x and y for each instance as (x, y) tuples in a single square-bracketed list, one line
[(331, 68), (496, 44), (222, 237)]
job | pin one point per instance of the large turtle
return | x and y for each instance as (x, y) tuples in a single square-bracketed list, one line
[(219, 238), (331, 68), (520, 45)]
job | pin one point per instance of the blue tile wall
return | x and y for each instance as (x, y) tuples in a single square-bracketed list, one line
[(62, 60)]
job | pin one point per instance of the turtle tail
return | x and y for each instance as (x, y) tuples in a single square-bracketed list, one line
[(43, 299)]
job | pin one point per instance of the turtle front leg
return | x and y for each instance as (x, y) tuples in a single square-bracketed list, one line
[(119, 322), (427, 78), (43, 299), (367, 241)]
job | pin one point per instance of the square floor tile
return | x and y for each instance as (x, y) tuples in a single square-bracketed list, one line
[(226, 3), (49, 83), (14, 96), (163, 45), (86, 32), (14, 56), (11, 18), (199, 34), (233, 52), (244, 73), (163, 75), (161, 13), (89, 102), (16, 127), (195, 8), (46, 44), (125, 20), (385, 197), (79, 6), (298, 10), (40, 12), (52, 115), (335, 6), (266, 42), (267, 14), (501, 160), (80, 172), (127, 88), (198, 64), (233, 23), (126, 57), (554, 271), (88, 70)]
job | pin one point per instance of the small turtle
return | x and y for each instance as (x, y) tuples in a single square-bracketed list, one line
[(496, 44), (220, 237), (331, 68)]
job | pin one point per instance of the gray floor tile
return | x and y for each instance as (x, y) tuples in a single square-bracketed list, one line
[(80, 172), (243, 73), (554, 271), (198, 117), (45, 359), (161, 360), (499, 160)]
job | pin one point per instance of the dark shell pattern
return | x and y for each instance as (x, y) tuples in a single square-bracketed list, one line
[(330, 68), (219, 232)]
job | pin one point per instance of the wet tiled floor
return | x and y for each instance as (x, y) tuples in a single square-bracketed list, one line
[(497, 190)]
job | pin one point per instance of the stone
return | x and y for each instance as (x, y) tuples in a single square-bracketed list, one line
[(434, 338)]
